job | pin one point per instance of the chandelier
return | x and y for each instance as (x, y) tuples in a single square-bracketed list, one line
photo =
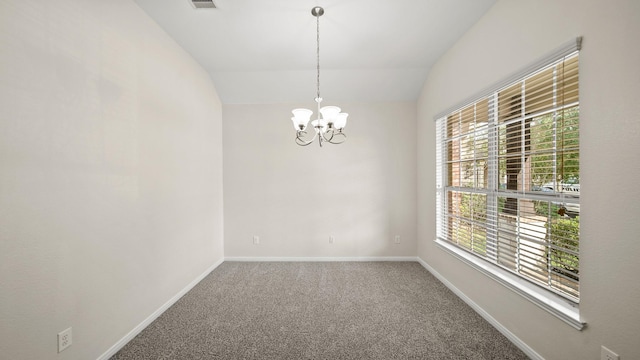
[(330, 121)]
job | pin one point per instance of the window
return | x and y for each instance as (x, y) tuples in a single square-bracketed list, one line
[(508, 177)]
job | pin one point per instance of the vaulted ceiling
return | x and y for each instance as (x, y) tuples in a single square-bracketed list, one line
[(260, 51)]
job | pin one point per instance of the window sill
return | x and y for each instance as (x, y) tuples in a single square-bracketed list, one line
[(548, 301)]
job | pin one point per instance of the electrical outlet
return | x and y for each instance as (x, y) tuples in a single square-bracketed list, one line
[(256, 240), (331, 239), (396, 239), (64, 339), (607, 354)]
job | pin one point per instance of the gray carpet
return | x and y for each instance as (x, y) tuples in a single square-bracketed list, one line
[(320, 310)]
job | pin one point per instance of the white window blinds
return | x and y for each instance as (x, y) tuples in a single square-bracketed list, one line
[(508, 176)]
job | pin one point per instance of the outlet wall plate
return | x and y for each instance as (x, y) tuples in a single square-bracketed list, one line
[(65, 339), (606, 354)]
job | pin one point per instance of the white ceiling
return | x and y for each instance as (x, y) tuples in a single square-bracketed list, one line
[(260, 51)]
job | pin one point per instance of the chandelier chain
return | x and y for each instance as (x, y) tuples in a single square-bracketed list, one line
[(318, 55)]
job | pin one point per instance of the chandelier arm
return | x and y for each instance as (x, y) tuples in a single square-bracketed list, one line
[(300, 141), (329, 132), (335, 139)]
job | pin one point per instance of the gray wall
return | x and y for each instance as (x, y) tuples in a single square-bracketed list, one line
[(110, 174), (362, 192), (509, 37)]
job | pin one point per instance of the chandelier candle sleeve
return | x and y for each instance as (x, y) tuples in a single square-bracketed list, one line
[(330, 121)]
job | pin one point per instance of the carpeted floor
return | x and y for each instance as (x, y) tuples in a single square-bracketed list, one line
[(320, 310)]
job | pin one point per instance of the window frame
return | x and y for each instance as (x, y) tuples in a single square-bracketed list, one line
[(561, 306)]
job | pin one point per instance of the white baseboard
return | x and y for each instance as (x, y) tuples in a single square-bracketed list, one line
[(490, 319), (133, 333), (321, 259)]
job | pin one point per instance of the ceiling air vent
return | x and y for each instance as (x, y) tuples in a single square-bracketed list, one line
[(202, 4)]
